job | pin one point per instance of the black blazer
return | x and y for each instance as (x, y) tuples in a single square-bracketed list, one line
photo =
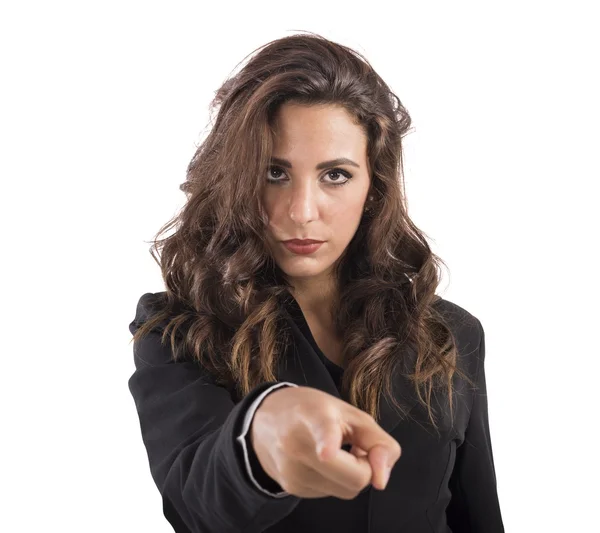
[(442, 482)]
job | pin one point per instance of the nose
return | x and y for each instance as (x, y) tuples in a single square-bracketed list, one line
[(303, 204)]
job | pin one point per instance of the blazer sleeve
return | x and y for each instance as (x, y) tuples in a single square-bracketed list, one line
[(474, 506), (189, 427), (259, 477)]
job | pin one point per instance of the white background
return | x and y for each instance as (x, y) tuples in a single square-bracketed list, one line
[(102, 105)]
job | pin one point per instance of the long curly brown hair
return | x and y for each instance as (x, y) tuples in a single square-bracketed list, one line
[(223, 288)]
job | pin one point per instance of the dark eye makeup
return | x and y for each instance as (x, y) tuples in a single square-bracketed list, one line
[(343, 172)]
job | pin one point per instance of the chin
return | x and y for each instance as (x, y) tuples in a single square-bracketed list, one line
[(303, 268)]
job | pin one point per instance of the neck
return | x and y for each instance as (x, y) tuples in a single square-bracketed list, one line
[(315, 297)]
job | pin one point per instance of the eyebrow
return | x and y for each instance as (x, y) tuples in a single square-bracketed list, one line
[(333, 162)]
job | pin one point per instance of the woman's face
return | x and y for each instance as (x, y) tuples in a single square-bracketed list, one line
[(307, 198)]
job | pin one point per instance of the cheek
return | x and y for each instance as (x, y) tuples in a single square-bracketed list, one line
[(343, 213), (344, 220)]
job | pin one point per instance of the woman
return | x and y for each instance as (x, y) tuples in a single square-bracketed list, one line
[(257, 367)]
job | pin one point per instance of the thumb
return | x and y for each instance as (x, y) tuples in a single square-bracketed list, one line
[(383, 450), (367, 435), (381, 463)]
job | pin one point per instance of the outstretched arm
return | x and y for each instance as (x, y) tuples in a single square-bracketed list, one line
[(190, 427)]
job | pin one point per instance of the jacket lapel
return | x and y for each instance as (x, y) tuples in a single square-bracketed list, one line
[(300, 364)]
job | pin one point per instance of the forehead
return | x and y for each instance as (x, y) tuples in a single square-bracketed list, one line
[(323, 127)]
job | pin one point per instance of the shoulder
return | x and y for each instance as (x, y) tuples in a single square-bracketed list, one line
[(153, 347), (149, 304), (467, 330), (459, 319)]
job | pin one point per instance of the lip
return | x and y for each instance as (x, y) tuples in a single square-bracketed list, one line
[(302, 241), (302, 247)]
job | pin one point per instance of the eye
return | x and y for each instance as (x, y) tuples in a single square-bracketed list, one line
[(270, 173), (334, 176), (338, 172)]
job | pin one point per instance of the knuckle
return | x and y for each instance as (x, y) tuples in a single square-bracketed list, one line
[(323, 416), (364, 418), (368, 417)]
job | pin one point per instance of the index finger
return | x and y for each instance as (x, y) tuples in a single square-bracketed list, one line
[(366, 433)]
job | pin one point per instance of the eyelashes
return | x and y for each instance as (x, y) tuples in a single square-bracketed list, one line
[(333, 183)]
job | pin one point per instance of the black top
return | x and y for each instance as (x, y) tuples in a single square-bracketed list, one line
[(295, 312), (336, 514)]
